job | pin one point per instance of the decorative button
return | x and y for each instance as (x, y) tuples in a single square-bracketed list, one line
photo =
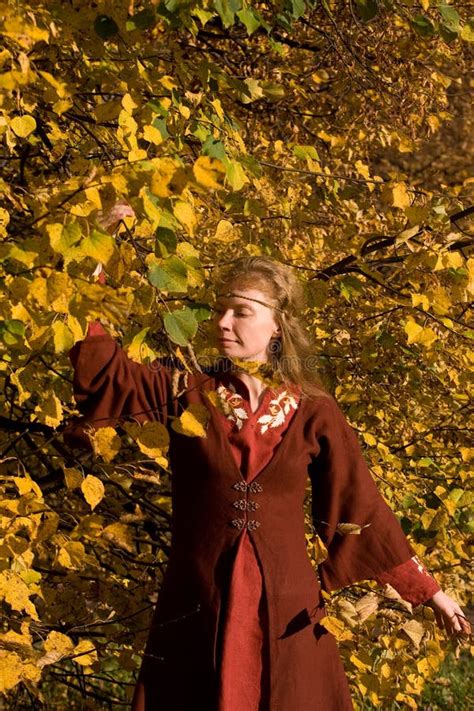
[(252, 524), (254, 486), (240, 523), (244, 505)]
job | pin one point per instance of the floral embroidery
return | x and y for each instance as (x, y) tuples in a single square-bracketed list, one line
[(420, 565), (279, 409), (232, 405)]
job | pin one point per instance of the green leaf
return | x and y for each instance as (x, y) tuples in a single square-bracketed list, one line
[(367, 9), (249, 18), (214, 148), (98, 245), (298, 8), (105, 27), (201, 312), (450, 18), (305, 152), (235, 175), (12, 331), (160, 124), (181, 326), (446, 34), (423, 26), (142, 20), (226, 10), (169, 274), (166, 241), (272, 91)]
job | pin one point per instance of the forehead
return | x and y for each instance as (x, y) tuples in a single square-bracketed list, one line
[(243, 297)]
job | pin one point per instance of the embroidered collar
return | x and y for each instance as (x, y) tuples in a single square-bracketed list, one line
[(274, 409)]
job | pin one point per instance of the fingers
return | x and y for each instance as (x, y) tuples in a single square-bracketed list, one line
[(456, 623)]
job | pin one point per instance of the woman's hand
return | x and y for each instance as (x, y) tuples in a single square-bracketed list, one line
[(449, 615)]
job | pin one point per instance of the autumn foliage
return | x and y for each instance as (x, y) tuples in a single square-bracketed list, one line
[(162, 139)]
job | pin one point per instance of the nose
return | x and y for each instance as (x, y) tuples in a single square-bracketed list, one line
[(223, 321)]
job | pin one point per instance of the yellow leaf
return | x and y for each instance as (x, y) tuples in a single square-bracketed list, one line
[(153, 135), (4, 220), (162, 177), (336, 627), (152, 438), (352, 528), (63, 338), (320, 552), (73, 477), (184, 212), (99, 246), (93, 490), (56, 646), (448, 260), (16, 593), (418, 334), (50, 411), (106, 442), (61, 106), (22, 126), (128, 103), (362, 169), (358, 662), (25, 484), (72, 555), (226, 232), (21, 379), (235, 175), (408, 700), (414, 630), (10, 670), (192, 421), (84, 653), (120, 534), (137, 154), (420, 300), (400, 195), (209, 172)]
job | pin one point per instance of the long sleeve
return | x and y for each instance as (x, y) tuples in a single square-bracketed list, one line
[(107, 385), (411, 580), (344, 492)]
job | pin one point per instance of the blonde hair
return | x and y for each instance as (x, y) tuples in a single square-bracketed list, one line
[(292, 356)]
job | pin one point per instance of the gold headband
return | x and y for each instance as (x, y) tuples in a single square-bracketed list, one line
[(264, 303)]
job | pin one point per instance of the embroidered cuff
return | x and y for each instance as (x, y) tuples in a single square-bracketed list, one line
[(411, 580)]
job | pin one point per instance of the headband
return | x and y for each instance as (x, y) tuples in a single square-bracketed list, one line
[(264, 303)]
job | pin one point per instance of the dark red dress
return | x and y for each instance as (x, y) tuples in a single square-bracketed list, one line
[(254, 437), (242, 639)]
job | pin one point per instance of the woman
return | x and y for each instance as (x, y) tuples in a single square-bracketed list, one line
[(236, 625)]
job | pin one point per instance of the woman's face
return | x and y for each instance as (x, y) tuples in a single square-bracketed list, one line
[(243, 328)]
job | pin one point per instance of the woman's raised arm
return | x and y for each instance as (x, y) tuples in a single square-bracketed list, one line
[(109, 385)]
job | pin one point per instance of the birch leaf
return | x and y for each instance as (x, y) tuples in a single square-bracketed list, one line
[(106, 443), (84, 653), (93, 490), (192, 421)]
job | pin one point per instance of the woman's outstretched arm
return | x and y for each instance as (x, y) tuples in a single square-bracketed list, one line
[(109, 385), (344, 492)]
